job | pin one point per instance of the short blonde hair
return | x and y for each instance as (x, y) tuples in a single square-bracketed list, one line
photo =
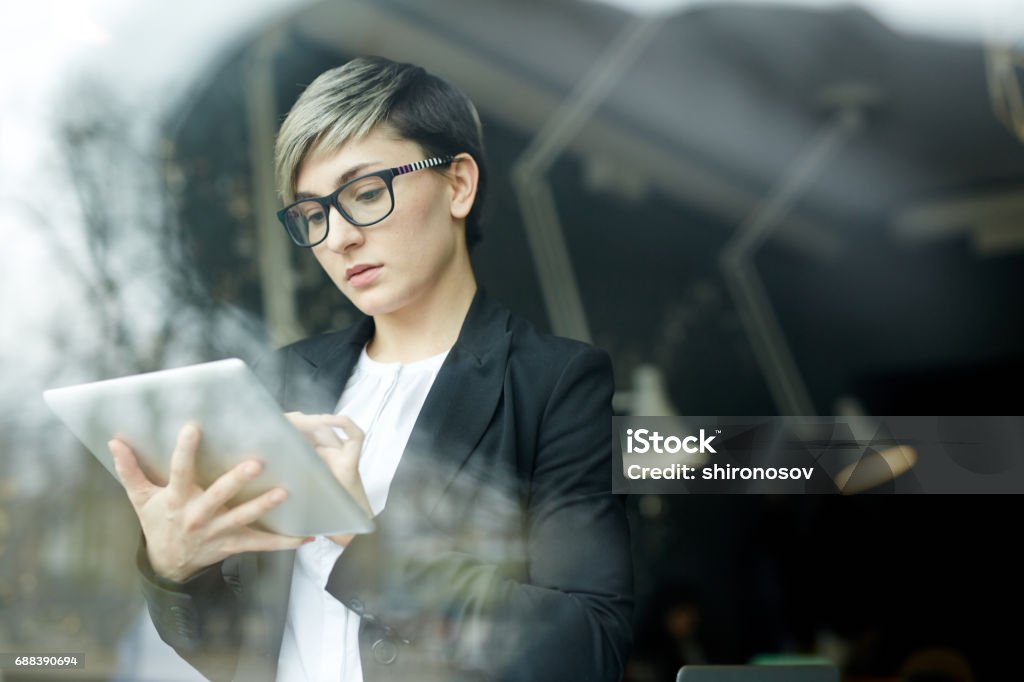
[(349, 101)]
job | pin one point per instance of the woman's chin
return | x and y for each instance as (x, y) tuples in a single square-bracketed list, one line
[(374, 303)]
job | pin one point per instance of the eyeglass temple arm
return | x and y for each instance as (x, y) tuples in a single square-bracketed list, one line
[(426, 163)]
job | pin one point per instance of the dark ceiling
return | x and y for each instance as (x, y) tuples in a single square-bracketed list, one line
[(882, 274)]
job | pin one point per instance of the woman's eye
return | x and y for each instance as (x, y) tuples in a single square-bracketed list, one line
[(368, 195)]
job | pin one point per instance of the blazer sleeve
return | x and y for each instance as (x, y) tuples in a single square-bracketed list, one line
[(571, 618), (199, 617)]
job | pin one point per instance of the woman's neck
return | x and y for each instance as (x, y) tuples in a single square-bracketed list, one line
[(426, 327)]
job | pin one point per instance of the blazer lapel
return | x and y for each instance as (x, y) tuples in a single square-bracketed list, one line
[(332, 365), (459, 406)]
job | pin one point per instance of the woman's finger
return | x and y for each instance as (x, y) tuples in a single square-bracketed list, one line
[(350, 428), (326, 436), (305, 424), (303, 421), (224, 488), (248, 512), (344, 465), (138, 487), (261, 541), (183, 461)]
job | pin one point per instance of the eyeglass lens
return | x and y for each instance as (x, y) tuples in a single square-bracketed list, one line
[(366, 201)]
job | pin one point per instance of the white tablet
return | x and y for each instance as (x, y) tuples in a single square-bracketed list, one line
[(238, 419)]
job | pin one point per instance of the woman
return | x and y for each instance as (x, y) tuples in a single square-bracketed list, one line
[(500, 552)]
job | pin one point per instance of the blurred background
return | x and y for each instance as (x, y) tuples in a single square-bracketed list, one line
[(757, 208)]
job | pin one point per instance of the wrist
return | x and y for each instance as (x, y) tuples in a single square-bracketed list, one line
[(165, 573)]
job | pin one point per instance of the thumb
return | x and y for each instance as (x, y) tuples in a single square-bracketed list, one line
[(345, 427), (138, 487)]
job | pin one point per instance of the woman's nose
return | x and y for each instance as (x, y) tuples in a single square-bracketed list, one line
[(342, 235)]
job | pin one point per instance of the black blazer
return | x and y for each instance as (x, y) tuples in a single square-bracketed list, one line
[(501, 554)]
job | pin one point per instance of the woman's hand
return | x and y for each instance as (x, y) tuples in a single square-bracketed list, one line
[(341, 456), (188, 528)]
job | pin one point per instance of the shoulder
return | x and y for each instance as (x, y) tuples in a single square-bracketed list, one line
[(324, 348), (529, 343), (304, 354), (532, 345), (295, 368), (546, 360), (313, 348)]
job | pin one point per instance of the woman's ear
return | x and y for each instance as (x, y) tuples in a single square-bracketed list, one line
[(464, 175)]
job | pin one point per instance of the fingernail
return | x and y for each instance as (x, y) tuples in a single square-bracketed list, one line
[(308, 539), (252, 468), (110, 445), (278, 495)]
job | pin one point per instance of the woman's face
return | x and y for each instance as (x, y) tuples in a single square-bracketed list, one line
[(400, 260)]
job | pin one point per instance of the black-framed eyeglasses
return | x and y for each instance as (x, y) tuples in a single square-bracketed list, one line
[(364, 201)]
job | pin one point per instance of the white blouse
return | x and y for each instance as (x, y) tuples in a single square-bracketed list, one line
[(321, 636)]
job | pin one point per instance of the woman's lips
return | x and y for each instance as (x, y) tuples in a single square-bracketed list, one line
[(364, 276)]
